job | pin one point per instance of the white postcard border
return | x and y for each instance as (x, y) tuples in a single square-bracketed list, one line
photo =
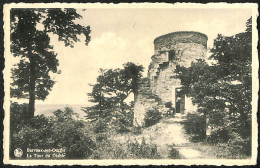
[(255, 87)]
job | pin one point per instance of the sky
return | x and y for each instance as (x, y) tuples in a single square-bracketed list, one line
[(121, 35)]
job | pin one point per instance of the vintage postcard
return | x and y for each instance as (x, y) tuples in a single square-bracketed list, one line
[(130, 84)]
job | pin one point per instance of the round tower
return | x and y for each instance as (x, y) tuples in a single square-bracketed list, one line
[(177, 48)]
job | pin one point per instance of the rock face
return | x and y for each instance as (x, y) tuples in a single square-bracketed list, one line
[(160, 87)]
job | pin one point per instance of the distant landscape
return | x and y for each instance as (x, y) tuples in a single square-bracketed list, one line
[(48, 109)]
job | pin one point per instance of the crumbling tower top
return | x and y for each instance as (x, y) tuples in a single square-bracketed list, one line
[(167, 41)]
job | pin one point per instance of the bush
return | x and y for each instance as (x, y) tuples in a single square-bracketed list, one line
[(122, 123), (152, 116), (70, 134), (235, 148), (143, 150), (30, 135), (174, 153), (137, 130), (101, 137), (195, 125), (220, 135), (59, 131), (17, 116), (108, 149), (239, 145), (171, 111), (111, 149), (100, 126)]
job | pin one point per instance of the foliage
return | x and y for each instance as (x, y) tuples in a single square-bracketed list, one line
[(174, 153), (70, 133), (168, 104), (171, 111), (235, 148), (122, 123), (30, 41), (17, 112), (143, 150), (60, 131), (133, 72), (112, 88), (111, 149), (100, 126), (152, 116), (136, 130), (195, 125), (101, 137), (238, 144), (223, 90)]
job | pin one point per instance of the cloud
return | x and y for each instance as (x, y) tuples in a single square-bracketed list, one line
[(109, 40), (80, 66), (115, 42), (107, 51)]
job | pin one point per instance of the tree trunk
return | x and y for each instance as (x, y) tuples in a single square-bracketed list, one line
[(135, 95), (32, 82), (135, 89), (122, 106), (204, 135)]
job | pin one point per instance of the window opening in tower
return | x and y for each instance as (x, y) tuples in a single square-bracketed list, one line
[(171, 55)]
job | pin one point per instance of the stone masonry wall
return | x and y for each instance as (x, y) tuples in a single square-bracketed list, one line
[(187, 47), (146, 100), (165, 42), (163, 84)]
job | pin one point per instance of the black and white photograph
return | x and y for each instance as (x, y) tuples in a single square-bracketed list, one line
[(130, 84)]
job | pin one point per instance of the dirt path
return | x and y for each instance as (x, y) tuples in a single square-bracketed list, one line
[(166, 133)]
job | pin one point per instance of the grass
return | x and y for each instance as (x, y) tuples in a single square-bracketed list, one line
[(220, 151), (108, 146), (114, 145), (111, 149)]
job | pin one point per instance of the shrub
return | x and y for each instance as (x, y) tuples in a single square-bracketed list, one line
[(174, 153), (235, 148), (101, 137), (137, 130), (122, 123), (59, 131), (171, 111), (111, 149), (100, 126), (219, 135), (70, 134), (195, 125), (17, 115), (240, 145), (108, 149), (143, 150), (152, 116), (22, 134)]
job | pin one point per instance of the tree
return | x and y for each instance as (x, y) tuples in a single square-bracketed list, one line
[(100, 112), (112, 88), (134, 72), (30, 40), (223, 90)]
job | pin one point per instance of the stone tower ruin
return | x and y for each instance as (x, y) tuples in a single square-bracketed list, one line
[(160, 87)]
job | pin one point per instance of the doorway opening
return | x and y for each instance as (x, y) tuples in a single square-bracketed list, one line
[(179, 101)]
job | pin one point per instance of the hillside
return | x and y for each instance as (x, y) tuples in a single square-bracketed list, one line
[(169, 133), (48, 109)]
